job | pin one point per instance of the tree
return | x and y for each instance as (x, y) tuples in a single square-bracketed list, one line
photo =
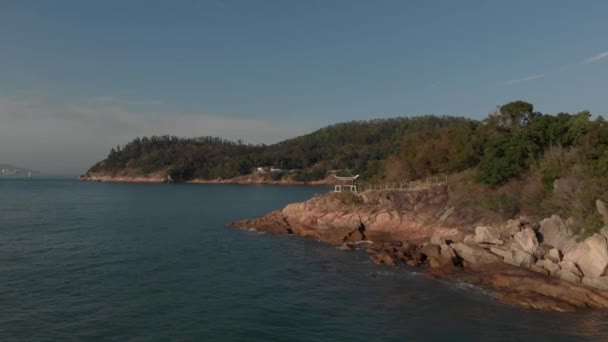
[(511, 117), (505, 158)]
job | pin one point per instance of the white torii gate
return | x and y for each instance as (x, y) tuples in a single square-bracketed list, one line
[(351, 187)]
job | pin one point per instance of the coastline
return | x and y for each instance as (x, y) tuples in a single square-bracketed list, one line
[(161, 177), (422, 229), (533, 265)]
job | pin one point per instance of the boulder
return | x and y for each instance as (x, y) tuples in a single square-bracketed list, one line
[(448, 255), (376, 258), (347, 247), (570, 267), (412, 263), (384, 258), (520, 259), (568, 276), (514, 226), (604, 232), (439, 254), (555, 232), (554, 255), (591, 256), (600, 283), (538, 269), (435, 263), (448, 252), (469, 239), (437, 240), (544, 247), (550, 266), (389, 260), (474, 254), (602, 209), (488, 235), (431, 251), (503, 253), (526, 241)]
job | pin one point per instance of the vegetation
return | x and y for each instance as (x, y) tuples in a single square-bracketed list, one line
[(519, 159), (360, 146)]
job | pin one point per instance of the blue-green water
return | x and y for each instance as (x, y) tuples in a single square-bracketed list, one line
[(154, 262)]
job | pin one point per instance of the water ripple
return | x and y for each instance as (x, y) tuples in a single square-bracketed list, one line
[(125, 262)]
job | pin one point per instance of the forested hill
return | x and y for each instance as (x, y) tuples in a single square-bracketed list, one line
[(500, 147), (515, 160), (358, 146)]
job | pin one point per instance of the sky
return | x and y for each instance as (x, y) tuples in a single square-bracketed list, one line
[(80, 77)]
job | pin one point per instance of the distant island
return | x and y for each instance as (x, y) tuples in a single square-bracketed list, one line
[(10, 170)]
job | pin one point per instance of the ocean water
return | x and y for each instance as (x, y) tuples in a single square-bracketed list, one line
[(154, 262)]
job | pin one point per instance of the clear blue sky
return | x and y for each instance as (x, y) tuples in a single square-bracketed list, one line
[(81, 76)]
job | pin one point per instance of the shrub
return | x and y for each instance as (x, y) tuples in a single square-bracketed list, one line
[(347, 197), (276, 176), (503, 204)]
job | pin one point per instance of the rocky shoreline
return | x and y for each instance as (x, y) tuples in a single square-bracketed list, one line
[(536, 265), (161, 177)]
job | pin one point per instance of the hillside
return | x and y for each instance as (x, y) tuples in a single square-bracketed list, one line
[(516, 161), (359, 146)]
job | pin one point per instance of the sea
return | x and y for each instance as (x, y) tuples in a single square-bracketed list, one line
[(84, 261)]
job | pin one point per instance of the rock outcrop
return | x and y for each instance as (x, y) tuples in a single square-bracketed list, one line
[(600, 283), (523, 288), (519, 258), (532, 265), (474, 255), (591, 256), (377, 216), (489, 235), (555, 233), (526, 241)]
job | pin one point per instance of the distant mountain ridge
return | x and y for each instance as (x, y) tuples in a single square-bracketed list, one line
[(9, 170)]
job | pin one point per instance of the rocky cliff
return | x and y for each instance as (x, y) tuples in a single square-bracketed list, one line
[(534, 265), (376, 216)]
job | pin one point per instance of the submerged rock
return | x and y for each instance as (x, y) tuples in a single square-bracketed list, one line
[(347, 247)]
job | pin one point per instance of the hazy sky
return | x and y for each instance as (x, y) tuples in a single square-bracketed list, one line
[(78, 77)]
